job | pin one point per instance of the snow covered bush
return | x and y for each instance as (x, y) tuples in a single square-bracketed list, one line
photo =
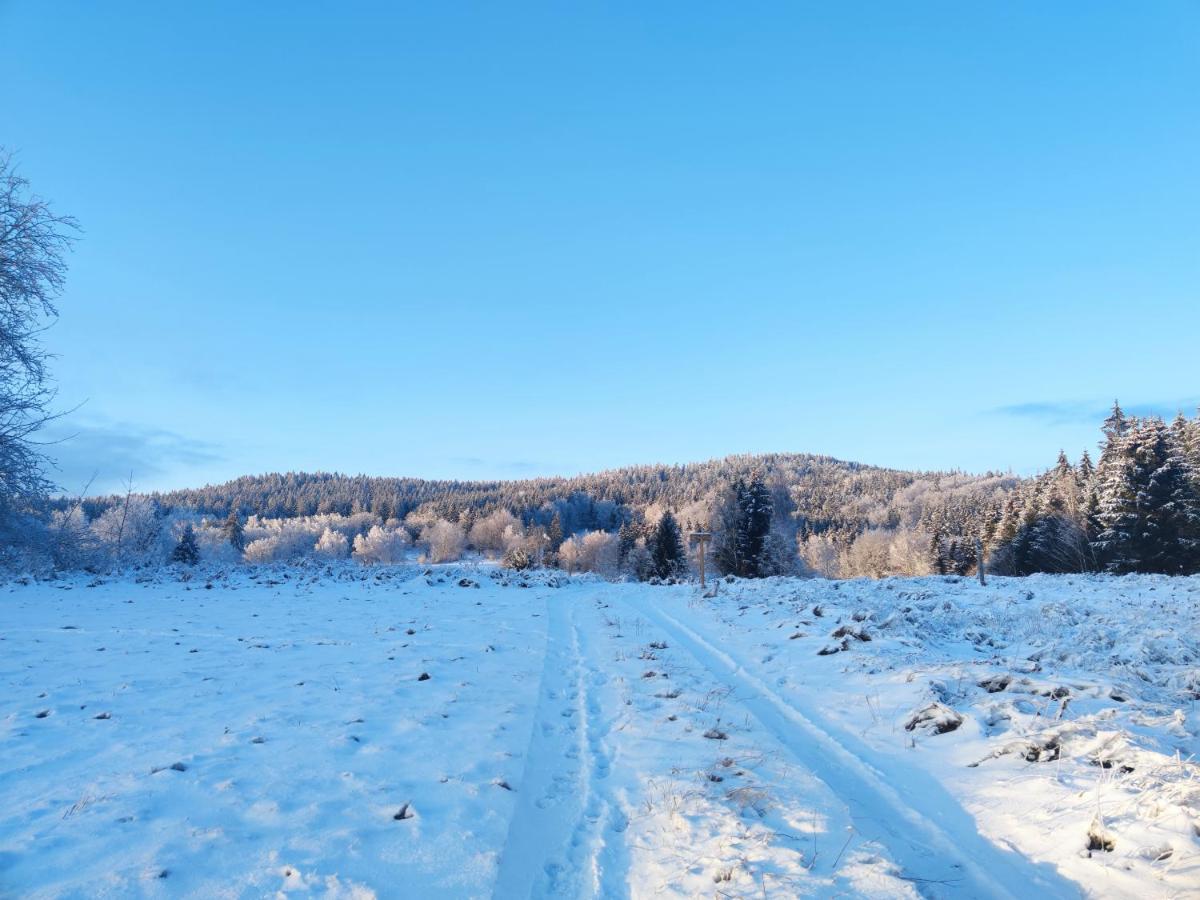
[(517, 558), (600, 552), (381, 545), (132, 533), (262, 550), (595, 551), (214, 545), (324, 536), (444, 541), (820, 554), (285, 545), (332, 544), (909, 552), (876, 553), (490, 534)]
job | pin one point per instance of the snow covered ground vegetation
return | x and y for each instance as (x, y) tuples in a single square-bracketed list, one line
[(342, 730)]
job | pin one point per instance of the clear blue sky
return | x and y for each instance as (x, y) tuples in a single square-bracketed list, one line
[(495, 240)]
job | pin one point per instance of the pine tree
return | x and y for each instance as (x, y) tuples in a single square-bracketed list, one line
[(744, 516), (758, 508), (1148, 509), (1192, 444), (1116, 496), (1183, 475), (186, 551), (626, 539), (1085, 471), (1115, 427), (937, 553), (1006, 530), (554, 534), (233, 532), (1024, 555), (666, 548)]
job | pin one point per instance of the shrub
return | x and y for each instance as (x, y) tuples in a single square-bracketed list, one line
[(381, 545), (332, 544), (516, 558), (444, 541)]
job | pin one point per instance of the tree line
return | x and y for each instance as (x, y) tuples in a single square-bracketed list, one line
[(1137, 509)]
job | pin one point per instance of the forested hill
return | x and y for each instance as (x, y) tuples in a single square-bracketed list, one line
[(816, 493)]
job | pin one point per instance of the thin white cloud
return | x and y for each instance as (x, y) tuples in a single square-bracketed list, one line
[(107, 453)]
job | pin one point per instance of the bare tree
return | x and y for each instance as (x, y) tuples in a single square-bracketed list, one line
[(33, 245)]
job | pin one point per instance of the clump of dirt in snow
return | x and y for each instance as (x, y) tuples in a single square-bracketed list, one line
[(935, 717)]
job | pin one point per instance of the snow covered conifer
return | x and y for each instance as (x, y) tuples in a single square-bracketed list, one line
[(554, 534), (758, 508), (186, 551), (233, 531), (937, 553), (626, 539), (1147, 505), (1115, 427), (666, 548), (1085, 471)]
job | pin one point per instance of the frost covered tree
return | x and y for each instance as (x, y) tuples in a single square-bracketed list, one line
[(666, 548), (1137, 510), (869, 556), (186, 551), (554, 534), (744, 519), (1056, 536), (627, 537), (758, 508), (381, 546), (233, 531), (1114, 429), (444, 541), (34, 242), (593, 551), (1148, 509), (937, 554), (488, 535), (517, 558), (332, 544), (821, 555), (569, 554), (132, 533)]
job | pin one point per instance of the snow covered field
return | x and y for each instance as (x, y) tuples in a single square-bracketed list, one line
[(471, 733)]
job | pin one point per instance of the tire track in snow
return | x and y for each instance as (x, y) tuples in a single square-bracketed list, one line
[(557, 844), (601, 832), (924, 829)]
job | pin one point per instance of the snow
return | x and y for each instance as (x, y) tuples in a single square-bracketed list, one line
[(270, 731)]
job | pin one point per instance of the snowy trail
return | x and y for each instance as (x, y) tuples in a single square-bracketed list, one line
[(468, 733), (564, 839), (923, 828), (601, 830)]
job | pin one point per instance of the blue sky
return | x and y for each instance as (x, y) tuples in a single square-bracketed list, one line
[(498, 240)]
